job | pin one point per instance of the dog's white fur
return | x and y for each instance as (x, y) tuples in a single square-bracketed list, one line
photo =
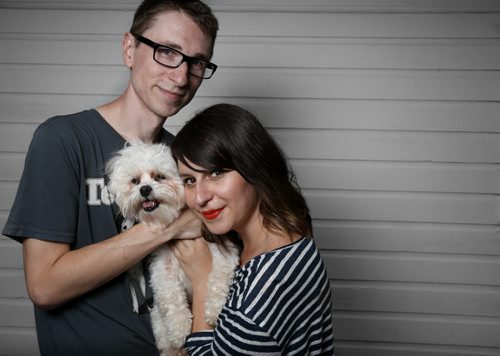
[(150, 167)]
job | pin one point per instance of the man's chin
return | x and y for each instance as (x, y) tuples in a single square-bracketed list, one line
[(171, 110)]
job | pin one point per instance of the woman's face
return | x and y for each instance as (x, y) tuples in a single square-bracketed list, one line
[(223, 199)]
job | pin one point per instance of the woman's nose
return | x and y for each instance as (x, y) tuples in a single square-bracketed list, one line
[(203, 194)]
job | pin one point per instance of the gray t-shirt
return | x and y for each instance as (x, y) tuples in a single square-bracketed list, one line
[(62, 197)]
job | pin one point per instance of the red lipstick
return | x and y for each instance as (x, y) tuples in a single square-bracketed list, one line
[(211, 214)]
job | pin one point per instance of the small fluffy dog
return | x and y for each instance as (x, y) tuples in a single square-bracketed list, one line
[(145, 183)]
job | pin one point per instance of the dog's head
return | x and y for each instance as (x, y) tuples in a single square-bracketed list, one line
[(145, 183)]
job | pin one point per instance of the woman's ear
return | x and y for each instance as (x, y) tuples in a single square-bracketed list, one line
[(128, 47)]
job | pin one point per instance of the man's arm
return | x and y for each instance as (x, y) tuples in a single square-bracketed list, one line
[(55, 274)]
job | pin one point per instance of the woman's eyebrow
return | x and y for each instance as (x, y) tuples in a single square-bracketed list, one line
[(183, 175)]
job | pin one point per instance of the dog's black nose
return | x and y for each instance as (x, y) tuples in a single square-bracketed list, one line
[(145, 190)]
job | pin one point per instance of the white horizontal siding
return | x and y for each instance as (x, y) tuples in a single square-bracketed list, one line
[(271, 24), (270, 83), (406, 298), (16, 313), (404, 328), (360, 348), (18, 341), (352, 145), (390, 115), (12, 285), (280, 5), (388, 109), (416, 237), (413, 267), (270, 52)]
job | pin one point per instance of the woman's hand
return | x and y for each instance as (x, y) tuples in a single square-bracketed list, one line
[(195, 259)]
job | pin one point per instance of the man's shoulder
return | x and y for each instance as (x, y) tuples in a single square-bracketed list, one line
[(67, 128), (69, 120)]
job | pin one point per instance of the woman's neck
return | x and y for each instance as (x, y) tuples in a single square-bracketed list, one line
[(263, 242)]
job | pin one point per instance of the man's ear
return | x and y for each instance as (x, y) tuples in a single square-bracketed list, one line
[(128, 47)]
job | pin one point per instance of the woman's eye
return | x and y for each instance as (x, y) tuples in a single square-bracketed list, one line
[(216, 173), (188, 181)]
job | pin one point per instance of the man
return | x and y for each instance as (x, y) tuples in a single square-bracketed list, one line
[(74, 255)]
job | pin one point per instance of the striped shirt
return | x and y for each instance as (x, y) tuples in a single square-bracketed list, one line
[(279, 304)]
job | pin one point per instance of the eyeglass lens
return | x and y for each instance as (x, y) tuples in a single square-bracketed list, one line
[(173, 58)]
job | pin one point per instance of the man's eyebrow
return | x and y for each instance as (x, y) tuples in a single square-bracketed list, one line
[(171, 45)]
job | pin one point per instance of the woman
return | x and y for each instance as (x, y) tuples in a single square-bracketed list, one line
[(238, 182)]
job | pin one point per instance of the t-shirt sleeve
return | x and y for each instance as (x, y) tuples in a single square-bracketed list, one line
[(46, 203)]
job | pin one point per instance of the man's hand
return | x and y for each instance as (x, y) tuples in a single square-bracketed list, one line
[(187, 226)]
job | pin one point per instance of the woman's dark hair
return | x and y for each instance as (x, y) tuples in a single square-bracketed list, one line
[(226, 136), (197, 10)]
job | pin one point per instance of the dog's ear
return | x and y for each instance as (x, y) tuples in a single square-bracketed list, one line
[(110, 165), (111, 171)]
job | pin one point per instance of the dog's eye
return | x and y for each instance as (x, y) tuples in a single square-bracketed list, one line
[(159, 177), (135, 181)]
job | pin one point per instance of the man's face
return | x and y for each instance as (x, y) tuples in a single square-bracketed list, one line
[(161, 90)]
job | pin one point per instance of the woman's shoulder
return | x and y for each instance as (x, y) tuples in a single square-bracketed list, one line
[(289, 255), (283, 277), (279, 267)]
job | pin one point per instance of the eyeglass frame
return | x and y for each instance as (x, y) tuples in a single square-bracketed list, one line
[(185, 58)]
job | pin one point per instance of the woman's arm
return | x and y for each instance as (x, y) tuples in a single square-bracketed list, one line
[(235, 332)]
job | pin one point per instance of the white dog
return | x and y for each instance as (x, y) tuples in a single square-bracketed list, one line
[(145, 183)]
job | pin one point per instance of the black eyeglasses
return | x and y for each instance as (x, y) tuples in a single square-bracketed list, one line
[(172, 58)]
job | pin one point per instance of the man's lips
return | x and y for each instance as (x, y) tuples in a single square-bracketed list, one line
[(211, 214), (172, 93)]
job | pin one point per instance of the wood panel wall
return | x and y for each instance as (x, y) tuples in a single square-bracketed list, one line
[(389, 111)]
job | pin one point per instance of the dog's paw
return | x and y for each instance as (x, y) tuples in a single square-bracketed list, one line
[(127, 224)]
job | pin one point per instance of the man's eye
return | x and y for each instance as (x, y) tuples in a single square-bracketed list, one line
[(198, 64), (166, 52)]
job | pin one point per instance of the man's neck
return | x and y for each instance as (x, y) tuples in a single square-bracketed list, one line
[(131, 123)]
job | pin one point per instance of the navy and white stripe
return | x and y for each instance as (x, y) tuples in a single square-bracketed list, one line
[(279, 304)]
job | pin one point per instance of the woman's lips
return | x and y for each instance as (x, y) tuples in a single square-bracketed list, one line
[(211, 214)]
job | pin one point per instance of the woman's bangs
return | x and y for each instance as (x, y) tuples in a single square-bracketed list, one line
[(205, 155)]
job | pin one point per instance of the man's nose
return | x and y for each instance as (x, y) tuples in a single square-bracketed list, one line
[(180, 75)]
